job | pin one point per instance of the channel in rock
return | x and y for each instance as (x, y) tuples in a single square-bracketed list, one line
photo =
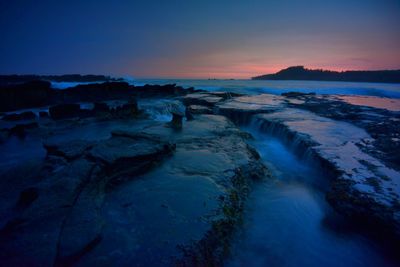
[(364, 188)]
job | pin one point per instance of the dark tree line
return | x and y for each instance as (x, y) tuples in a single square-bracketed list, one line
[(301, 73)]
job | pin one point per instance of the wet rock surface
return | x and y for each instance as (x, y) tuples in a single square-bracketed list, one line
[(357, 144), (158, 175), (367, 113), (136, 191), (205, 99), (240, 109), (364, 188), (352, 142), (57, 219), (198, 109)]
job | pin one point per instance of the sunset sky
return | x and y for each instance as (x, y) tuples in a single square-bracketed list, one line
[(197, 39)]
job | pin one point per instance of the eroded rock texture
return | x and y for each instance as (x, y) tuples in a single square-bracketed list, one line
[(145, 194), (355, 140)]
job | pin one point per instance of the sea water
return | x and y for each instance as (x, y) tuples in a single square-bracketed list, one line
[(278, 87)]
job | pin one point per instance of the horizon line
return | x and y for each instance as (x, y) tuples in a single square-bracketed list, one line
[(166, 77)]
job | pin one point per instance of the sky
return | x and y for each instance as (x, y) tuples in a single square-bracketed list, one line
[(197, 39)]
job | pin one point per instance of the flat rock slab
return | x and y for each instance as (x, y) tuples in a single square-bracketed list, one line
[(379, 116), (122, 147), (62, 221), (371, 101), (198, 109), (206, 99), (148, 218), (133, 197), (260, 103), (239, 109)]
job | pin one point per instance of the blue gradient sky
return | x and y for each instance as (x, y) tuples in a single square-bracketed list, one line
[(197, 39)]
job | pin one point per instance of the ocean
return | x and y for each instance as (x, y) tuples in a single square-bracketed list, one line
[(278, 87)]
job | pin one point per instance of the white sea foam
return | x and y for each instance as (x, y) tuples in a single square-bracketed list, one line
[(278, 87), (64, 85)]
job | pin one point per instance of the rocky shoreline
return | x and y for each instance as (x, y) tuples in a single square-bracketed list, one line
[(90, 178), (362, 158)]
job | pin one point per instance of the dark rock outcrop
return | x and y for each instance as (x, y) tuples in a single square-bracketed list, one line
[(177, 116), (96, 92), (27, 95), (127, 110), (39, 93), (28, 115), (296, 94), (63, 111), (176, 121)]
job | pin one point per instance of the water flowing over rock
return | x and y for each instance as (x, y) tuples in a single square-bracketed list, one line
[(115, 174), (364, 188)]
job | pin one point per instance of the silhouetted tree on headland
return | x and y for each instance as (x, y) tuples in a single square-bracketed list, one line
[(301, 73)]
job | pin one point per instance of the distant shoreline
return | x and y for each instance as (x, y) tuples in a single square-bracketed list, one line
[(300, 73), (15, 78)]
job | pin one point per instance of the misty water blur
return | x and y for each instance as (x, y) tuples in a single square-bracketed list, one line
[(289, 223)]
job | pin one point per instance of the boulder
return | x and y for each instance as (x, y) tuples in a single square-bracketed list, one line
[(178, 112), (176, 121)]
